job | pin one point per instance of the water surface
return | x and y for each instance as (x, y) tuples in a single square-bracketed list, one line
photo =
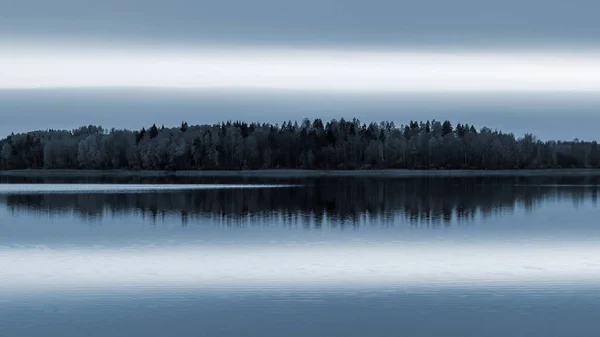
[(336, 256)]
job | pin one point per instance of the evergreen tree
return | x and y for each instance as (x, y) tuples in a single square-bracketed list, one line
[(153, 132), (446, 128)]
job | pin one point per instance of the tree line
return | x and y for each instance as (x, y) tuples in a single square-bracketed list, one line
[(337, 144)]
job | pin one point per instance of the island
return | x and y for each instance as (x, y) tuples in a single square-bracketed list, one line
[(338, 145)]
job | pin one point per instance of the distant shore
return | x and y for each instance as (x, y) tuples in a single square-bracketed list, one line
[(288, 173), (338, 147)]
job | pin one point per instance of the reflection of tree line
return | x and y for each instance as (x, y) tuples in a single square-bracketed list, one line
[(325, 202)]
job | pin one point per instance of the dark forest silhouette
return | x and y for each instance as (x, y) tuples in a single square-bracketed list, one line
[(343, 145)]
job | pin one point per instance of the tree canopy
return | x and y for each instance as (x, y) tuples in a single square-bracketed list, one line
[(337, 144)]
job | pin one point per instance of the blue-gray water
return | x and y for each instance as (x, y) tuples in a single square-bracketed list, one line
[(352, 256)]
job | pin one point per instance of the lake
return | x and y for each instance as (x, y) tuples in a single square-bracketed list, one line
[(299, 256)]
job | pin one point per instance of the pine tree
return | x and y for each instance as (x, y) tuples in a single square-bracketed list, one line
[(153, 132), (446, 128)]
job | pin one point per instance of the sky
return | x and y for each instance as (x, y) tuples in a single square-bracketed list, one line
[(519, 66)]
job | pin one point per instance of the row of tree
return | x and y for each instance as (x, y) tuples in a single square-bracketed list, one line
[(337, 144)]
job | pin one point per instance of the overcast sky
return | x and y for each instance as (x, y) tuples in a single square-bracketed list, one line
[(147, 67)]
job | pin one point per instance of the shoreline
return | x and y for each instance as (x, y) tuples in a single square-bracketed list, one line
[(296, 173)]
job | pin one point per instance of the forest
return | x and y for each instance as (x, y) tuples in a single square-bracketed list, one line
[(337, 144)]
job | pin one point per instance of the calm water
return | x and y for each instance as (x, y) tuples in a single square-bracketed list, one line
[(300, 257)]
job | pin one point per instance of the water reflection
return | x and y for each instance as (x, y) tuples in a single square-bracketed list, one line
[(432, 202), (236, 262)]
